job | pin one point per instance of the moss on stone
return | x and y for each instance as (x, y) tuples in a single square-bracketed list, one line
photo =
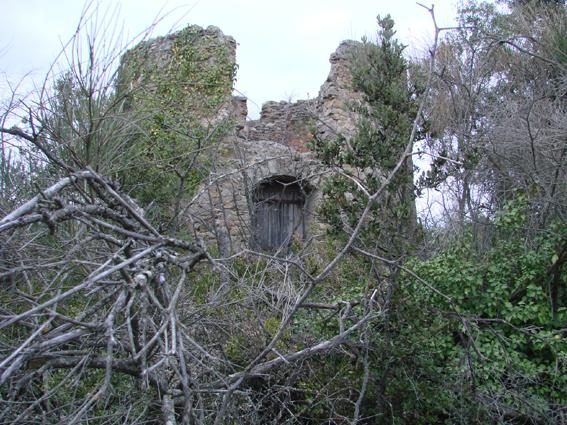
[(179, 89)]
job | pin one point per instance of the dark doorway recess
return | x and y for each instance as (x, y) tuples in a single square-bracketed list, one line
[(279, 212)]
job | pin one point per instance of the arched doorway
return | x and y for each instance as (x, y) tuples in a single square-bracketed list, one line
[(279, 212)]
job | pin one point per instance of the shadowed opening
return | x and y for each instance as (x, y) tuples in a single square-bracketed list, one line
[(279, 212)]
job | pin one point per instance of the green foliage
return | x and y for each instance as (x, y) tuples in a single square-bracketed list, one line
[(235, 350), (473, 337), (380, 73), (490, 340), (69, 391), (383, 130), (177, 101), (81, 125)]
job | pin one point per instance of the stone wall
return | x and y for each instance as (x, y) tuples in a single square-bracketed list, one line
[(277, 144), (289, 123), (222, 209), (190, 71), (331, 113), (337, 98), (250, 152)]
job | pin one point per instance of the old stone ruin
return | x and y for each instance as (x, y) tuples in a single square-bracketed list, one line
[(262, 187)]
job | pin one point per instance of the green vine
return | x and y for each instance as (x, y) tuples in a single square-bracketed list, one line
[(178, 86)]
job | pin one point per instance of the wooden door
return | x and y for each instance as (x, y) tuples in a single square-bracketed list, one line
[(278, 214)]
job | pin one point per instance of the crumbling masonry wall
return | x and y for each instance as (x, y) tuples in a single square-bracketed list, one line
[(251, 151), (276, 144)]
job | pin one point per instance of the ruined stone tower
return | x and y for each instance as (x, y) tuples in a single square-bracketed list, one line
[(262, 183)]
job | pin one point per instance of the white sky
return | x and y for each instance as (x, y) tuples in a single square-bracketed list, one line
[(284, 46)]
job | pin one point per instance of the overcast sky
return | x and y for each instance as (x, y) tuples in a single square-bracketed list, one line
[(283, 50)]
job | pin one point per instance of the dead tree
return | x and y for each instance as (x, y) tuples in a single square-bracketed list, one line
[(105, 317)]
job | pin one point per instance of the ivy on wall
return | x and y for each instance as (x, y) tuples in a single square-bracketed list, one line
[(178, 88)]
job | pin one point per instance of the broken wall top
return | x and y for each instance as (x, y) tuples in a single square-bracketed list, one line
[(193, 70)]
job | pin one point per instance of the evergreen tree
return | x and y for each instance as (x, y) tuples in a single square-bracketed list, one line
[(384, 123), (375, 168)]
